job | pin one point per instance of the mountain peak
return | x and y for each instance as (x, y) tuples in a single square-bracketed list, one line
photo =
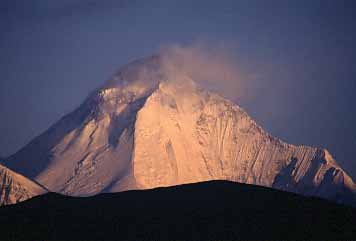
[(145, 75), (147, 71), (152, 125)]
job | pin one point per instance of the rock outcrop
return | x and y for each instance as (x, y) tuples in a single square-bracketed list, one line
[(15, 188)]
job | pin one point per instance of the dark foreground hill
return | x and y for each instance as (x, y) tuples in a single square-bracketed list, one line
[(216, 210)]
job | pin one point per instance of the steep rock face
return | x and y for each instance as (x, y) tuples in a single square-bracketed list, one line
[(15, 188), (147, 128), (200, 136)]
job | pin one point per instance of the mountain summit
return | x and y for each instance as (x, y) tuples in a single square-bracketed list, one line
[(151, 125)]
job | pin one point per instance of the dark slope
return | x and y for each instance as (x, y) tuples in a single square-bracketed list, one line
[(216, 210)]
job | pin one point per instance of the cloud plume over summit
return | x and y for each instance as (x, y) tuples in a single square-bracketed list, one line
[(212, 66)]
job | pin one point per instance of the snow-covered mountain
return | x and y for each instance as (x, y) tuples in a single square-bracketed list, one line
[(15, 188), (150, 126)]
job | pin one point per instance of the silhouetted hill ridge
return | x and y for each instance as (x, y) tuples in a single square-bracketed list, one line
[(214, 210)]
